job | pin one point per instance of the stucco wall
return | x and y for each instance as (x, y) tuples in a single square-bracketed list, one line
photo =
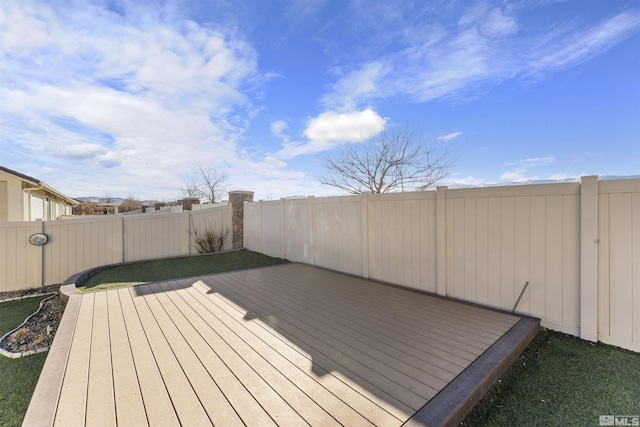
[(11, 200)]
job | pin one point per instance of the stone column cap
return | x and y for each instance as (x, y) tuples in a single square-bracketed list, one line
[(241, 192)]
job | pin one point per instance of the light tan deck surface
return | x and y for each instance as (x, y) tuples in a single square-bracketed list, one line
[(285, 345)]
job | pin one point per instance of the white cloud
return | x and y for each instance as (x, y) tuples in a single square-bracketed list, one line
[(499, 24), (278, 127), (275, 162), (520, 168), (345, 127), (533, 161), (516, 175), (469, 181), (147, 98), (442, 60), (81, 151), (566, 176), (449, 136), (559, 50), (109, 160), (357, 86), (330, 129)]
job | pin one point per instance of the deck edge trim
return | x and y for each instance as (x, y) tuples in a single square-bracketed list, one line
[(456, 400), (44, 401)]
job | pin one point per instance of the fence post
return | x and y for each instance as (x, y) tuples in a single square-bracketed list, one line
[(364, 231), (441, 240), (589, 258)]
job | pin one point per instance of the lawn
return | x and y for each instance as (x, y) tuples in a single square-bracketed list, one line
[(18, 377), (565, 381), (173, 268)]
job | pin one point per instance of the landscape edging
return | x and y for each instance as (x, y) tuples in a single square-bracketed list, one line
[(17, 355)]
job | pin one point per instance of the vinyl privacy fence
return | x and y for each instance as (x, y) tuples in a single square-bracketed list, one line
[(81, 243), (577, 244)]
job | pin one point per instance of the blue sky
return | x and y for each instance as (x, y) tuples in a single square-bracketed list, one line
[(128, 98)]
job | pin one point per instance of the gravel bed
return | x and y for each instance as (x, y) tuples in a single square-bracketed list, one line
[(38, 332)]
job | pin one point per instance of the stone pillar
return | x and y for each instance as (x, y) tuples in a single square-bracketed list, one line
[(237, 199)]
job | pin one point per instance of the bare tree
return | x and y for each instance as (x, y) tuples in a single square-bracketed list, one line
[(208, 184), (129, 204), (86, 208), (390, 162), (190, 188)]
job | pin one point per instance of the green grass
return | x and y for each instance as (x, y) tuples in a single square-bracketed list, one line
[(173, 268), (18, 377), (564, 381)]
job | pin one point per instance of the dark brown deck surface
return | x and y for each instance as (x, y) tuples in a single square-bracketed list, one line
[(286, 345)]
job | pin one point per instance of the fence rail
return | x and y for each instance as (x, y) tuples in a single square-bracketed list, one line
[(577, 244), (78, 244)]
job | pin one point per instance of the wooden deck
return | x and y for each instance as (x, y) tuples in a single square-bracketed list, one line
[(286, 345)]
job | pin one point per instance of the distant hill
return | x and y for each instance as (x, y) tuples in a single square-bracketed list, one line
[(93, 199)]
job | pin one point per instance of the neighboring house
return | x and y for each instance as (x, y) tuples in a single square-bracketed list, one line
[(23, 198)]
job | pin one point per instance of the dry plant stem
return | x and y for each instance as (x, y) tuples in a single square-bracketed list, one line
[(210, 239)]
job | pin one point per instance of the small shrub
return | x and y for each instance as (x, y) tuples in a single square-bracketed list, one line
[(210, 239), (20, 334)]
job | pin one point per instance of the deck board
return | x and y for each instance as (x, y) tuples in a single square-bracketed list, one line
[(73, 395), (126, 389), (157, 403), (185, 401), (283, 345), (100, 405), (232, 388), (218, 409)]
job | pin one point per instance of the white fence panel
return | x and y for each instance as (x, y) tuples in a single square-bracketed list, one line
[(155, 236), (499, 240), (80, 244), (18, 266), (271, 227), (252, 226), (338, 234), (619, 263), (402, 239), (298, 230)]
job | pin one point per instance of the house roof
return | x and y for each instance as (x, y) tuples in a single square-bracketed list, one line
[(40, 184), (20, 175)]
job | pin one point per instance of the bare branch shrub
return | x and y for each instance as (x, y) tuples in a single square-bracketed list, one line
[(209, 239)]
